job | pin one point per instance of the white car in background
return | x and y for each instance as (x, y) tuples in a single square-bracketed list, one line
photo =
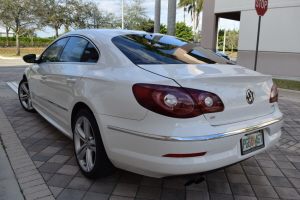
[(150, 103)]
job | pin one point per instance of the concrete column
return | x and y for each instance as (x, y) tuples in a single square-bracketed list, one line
[(209, 25), (157, 16), (171, 17)]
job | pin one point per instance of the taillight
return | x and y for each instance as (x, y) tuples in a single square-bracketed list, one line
[(274, 94), (207, 101), (176, 102)]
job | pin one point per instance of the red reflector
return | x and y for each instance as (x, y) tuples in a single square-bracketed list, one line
[(229, 63), (185, 155)]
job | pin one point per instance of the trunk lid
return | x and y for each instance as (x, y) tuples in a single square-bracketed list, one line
[(229, 82)]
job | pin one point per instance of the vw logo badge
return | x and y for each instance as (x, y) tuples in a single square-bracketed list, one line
[(250, 96)]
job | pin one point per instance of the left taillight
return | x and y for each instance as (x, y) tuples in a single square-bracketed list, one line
[(274, 94), (176, 102)]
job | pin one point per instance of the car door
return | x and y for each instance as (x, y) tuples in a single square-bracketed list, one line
[(77, 57), (39, 73)]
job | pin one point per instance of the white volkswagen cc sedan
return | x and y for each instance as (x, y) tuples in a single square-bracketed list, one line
[(150, 103)]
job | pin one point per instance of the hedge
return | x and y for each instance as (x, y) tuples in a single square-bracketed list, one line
[(25, 42)]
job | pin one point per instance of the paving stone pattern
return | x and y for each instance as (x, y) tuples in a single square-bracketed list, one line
[(273, 174)]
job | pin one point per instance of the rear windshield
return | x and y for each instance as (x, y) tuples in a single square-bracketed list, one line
[(160, 49)]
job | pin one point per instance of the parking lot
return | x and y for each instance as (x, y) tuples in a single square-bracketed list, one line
[(43, 161)]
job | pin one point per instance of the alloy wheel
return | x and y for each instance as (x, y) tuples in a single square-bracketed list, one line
[(24, 95), (85, 145)]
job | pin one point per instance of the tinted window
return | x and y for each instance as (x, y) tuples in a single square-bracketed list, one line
[(73, 50), (53, 52), (159, 49), (90, 54)]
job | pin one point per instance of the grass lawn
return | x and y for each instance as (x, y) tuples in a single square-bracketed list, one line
[(234, 54), (11, 52), (287, 84)]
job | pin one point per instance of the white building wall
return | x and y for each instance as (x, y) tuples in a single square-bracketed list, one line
[(222, 6), (279, 47), (280, 30)]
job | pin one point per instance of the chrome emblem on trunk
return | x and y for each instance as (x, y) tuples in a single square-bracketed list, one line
[(250, 96)]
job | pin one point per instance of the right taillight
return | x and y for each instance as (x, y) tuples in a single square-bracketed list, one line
[(176, 102), (207, 101), (274, 94)]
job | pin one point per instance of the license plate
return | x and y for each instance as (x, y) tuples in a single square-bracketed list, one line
[(252, 142)]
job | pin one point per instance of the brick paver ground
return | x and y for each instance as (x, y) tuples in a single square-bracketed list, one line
[(273, 174)]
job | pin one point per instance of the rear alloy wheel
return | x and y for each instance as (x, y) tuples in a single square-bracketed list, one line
[(24, 96), (89, 149)]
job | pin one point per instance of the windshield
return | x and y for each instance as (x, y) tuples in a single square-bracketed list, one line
[(162, 49)]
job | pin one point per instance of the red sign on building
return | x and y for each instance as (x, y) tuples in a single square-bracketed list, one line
[(261, 7)]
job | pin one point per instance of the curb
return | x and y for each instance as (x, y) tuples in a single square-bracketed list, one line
[(29, 178), (289, 78), (10, 188), (289, 94), (10, 58), (14, 58)]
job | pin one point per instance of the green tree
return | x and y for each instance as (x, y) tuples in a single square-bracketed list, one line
[(87, 15), (146, 25), (194, 8), (23, 15), (182, 31), (163, 29), (31, 34), (6, 21), (57, 13), (232, 39), (134, 15)]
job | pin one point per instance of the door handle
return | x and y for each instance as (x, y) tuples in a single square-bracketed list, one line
[(71, 80), (44, 77)]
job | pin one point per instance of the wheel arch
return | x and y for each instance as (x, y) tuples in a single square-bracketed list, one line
[(76, 108)]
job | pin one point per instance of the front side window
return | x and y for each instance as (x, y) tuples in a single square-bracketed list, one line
[(161, 49), (53, 52)]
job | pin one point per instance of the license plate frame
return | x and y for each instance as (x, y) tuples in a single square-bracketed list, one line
[(249, 138)]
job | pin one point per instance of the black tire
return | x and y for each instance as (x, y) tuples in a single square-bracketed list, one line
[(97, 164), (25, 97)]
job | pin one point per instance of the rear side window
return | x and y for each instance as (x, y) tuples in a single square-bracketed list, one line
[(90, 54), (73, 50), (159, 49), (53, 52)]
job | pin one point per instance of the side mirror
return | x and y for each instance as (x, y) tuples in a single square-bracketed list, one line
[(30, 58)]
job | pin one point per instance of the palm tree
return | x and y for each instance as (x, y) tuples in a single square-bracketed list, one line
[(194, 7)]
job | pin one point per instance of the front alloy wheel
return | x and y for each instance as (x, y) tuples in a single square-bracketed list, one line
[(24, 96)]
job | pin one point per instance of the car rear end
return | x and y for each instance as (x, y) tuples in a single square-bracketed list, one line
[(158, 146), (213, 115)]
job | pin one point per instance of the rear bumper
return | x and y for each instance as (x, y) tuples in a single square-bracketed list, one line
[(140, 152), (197, 138)]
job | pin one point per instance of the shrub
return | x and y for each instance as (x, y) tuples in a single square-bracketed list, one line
[(26, 42)]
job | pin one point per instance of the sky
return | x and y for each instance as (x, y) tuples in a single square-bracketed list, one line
[(114, 6)]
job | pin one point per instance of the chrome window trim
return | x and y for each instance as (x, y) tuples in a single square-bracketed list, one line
[(70, 35), (196, 138), (34, 95)]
